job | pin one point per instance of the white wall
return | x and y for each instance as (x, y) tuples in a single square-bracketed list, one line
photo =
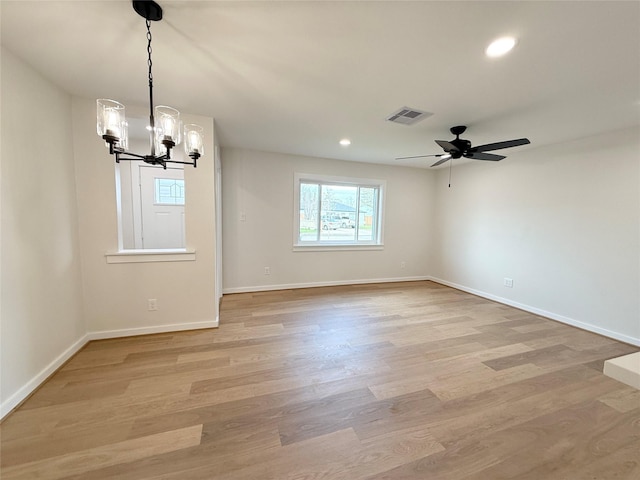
[(260, 185), (116, 295), (41, 310), (562, 221), (59, 220)]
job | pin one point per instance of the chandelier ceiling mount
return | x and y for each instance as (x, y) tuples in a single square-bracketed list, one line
[(148, 10)]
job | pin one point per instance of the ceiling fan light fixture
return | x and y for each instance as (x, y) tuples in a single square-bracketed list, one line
[(500, 47)]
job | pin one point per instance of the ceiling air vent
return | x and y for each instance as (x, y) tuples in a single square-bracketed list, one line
[(408, 116)]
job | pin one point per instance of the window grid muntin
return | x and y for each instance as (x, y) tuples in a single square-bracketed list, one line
[(168, 191)]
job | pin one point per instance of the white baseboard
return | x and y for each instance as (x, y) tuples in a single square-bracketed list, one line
[(330, 283), (131, 332), (543, 313), (14, 400)]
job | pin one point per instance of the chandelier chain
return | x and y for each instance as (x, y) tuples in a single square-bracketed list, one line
[(150, 63), (152, 122)]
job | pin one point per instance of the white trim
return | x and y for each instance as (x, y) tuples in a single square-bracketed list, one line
[(132, 332), (339, 180), (148, 255), (118, 184), (330, 283), (136, 203), (326, 247), (32, 385), (543, 313), (217, 163)]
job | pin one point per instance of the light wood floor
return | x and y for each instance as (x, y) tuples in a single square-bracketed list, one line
[(390, 381)]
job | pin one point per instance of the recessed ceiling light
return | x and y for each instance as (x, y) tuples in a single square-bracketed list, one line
[(345, 142), (501, 46)]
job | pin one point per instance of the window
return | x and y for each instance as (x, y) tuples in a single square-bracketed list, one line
[(169, 191), (337, 211)]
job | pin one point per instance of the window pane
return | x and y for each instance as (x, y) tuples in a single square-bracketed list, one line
[(338, 205), (169, 191), (309, 195), (367, 214)]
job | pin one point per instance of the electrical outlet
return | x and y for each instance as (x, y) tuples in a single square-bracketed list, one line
[(403, 264), (508, 282), (152, 304), (243, 217), (267, 271)]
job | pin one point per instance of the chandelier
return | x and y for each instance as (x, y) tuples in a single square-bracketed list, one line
[(165, 126)]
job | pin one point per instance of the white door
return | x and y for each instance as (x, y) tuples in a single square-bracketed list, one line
[(162, 200)]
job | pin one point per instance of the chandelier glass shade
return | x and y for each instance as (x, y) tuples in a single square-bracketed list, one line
[(111, 122), (165, 127)]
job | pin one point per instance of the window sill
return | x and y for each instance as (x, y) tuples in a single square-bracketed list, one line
[(148, 256), (334, 248)]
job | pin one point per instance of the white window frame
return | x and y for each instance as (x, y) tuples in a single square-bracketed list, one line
[(376, 243)]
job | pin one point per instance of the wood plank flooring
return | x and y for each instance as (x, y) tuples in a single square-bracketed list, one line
[(388, 381)]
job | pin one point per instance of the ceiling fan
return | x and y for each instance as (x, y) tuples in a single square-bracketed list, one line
[(459, 147)]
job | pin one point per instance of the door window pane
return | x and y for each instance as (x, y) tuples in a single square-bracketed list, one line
[(169, 191)]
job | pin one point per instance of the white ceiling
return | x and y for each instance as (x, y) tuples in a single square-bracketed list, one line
[(296, 77)]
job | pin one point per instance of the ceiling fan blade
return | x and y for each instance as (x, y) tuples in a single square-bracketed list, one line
[(443, 159), (418, 156), (447, 146), (484, 156), (500, 145)]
